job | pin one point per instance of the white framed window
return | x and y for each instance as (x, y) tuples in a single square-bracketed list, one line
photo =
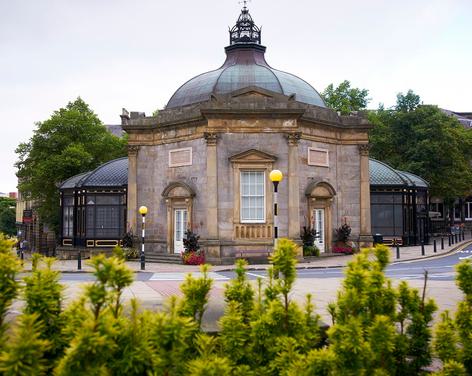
[(180, 157), (437, 208), (468, 210), (252, 198), (318, 157)]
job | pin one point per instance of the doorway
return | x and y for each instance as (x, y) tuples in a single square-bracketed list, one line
[(319, 226), (180, 226)]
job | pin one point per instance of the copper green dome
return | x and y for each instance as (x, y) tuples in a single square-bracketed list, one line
[(245, 66)]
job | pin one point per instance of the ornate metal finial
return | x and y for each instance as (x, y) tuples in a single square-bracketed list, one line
[(245, 31), (245, 3)]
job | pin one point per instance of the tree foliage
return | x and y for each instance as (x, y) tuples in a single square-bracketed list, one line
[(453, 340), (345, 98), (423, 140), (73, 140), (7, 216), (377, 329)]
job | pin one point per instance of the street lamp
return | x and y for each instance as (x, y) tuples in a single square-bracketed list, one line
[(275, 177), (143, 211)]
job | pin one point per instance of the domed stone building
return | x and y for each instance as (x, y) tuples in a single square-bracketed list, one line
[(203, 162)]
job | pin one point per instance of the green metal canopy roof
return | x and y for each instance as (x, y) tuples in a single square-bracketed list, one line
[(381, 174), (111, 174)]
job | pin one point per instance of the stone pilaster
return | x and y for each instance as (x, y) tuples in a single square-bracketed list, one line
[(293, 187), (365, 236), (132, 188), (212, 193)]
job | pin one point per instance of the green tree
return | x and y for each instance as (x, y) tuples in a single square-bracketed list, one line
[(73, 140), (423, 140), (407, 102), (9, 268), (456, 353), (43, 297), (7, 216), (345, 98)]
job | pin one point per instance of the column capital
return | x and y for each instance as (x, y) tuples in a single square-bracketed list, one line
[(211, 138), (133, 150), (364, 149), (294, 138)]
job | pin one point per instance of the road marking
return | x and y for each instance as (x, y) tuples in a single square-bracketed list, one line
[(442, 275), (465, 258), (256, 275), (318, 271), (181, 276)]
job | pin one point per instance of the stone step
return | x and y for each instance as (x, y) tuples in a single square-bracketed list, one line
[(164, 258)]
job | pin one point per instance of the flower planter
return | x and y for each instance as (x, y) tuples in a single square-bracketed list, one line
[(193, 258), (343, 250)]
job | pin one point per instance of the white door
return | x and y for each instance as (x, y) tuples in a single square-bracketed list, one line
[(318, 225), (180, 226)]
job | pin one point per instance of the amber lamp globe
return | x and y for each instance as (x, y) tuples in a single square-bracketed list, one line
[(276, 176), (143, 210)]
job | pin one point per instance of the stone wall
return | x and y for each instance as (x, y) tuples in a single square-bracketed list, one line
[(154, 175)]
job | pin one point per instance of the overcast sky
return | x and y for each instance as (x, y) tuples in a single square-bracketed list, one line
[(135, 54)]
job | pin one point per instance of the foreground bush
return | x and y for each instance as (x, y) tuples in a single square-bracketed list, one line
[(376, 329)]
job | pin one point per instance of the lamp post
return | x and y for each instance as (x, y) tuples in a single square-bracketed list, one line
[(275, 177), (143, 211)]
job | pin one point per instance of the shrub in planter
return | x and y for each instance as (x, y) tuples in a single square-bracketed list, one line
[(127, 240), (311, 250), (343, 233), (192, 255), (308, 237), (125, 253)]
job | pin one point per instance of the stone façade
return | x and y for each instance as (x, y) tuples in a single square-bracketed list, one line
[(247, 128)]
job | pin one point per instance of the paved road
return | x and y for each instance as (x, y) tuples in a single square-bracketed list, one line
[(441, 268), (153, 289)]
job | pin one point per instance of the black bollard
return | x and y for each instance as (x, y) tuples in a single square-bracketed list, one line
[(79, 261), (22, 256), (455, 237), (434, 246), (442, 243), (463, 235), (452, 239), (398, 251), (143, 261), (422, 248)]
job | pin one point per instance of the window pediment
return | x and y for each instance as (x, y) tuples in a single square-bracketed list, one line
[(253, 156)]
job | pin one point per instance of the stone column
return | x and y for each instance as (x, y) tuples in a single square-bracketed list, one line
[(293, 187), (365, 236), (132, 199), (212, 195)]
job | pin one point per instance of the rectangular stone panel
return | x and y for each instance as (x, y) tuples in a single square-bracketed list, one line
[(180, 157)]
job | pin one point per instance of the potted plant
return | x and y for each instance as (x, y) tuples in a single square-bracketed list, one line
[(192, 254), (308, 239), (342, 240), (130, 252)]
